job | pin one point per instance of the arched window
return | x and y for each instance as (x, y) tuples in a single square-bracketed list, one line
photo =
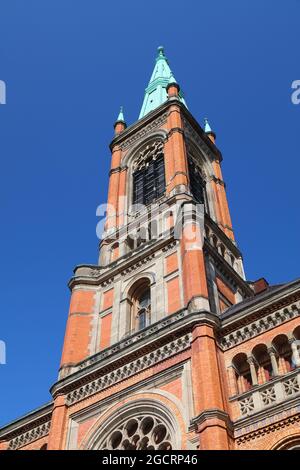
[(145, 425), (143, 309), (242, 373), (263, 360), (149, 175), (141, 305), (283, 347)]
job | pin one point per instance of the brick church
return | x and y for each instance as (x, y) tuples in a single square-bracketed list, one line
[(167, 345)]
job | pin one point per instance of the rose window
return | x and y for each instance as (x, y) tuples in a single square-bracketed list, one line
[(141, 433)]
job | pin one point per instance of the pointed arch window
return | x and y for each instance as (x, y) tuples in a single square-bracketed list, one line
[(149, 175)]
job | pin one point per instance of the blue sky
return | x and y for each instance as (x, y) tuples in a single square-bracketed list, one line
[(68, 66)]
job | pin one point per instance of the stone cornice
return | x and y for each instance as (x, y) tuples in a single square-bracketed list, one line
[(101, 381), (32, 435), (257, 323), (98, 275), (26, 423), (260, 306), (155, 336)]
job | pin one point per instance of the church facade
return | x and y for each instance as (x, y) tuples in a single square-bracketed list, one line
[(167, 345)]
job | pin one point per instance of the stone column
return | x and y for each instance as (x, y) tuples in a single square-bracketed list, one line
[(273, 361), (295, 352), (250, 361)]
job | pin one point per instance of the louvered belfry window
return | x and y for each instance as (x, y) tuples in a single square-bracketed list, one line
[(149, 175)]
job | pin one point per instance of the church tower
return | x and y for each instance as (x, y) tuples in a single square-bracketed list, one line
[(167, 346), (148, 314)]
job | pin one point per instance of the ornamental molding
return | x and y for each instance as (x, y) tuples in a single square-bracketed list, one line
[(103, 277), (259, 326), (29, 436), (130, 369), (144, 132), (169, 247), (278, 426), (131, 340), (138, 265)]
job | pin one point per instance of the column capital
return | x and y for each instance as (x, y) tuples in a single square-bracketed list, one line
[(272, 350), (251, 360)]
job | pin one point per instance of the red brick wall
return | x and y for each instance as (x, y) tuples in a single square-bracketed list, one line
[(173, 288), (105, 331)]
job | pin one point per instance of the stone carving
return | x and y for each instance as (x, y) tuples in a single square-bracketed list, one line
[(246, 406), (152, 152), (291, 386), (129, 369), (29, 436), (268, 396), (142, 432)]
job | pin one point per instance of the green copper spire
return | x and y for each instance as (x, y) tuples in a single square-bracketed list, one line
[(155, 93), (120, 118), (207, 127)]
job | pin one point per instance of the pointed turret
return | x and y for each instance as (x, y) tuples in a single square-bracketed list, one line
[(208, 130), (120, 124), (173, 88), (161, 79)]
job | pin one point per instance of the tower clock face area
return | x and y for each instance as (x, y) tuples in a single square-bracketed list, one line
[(168, 346)]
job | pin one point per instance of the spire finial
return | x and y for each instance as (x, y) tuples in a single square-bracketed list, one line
[(120, 124), (207, 127), (121, 115), (208, 130)]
